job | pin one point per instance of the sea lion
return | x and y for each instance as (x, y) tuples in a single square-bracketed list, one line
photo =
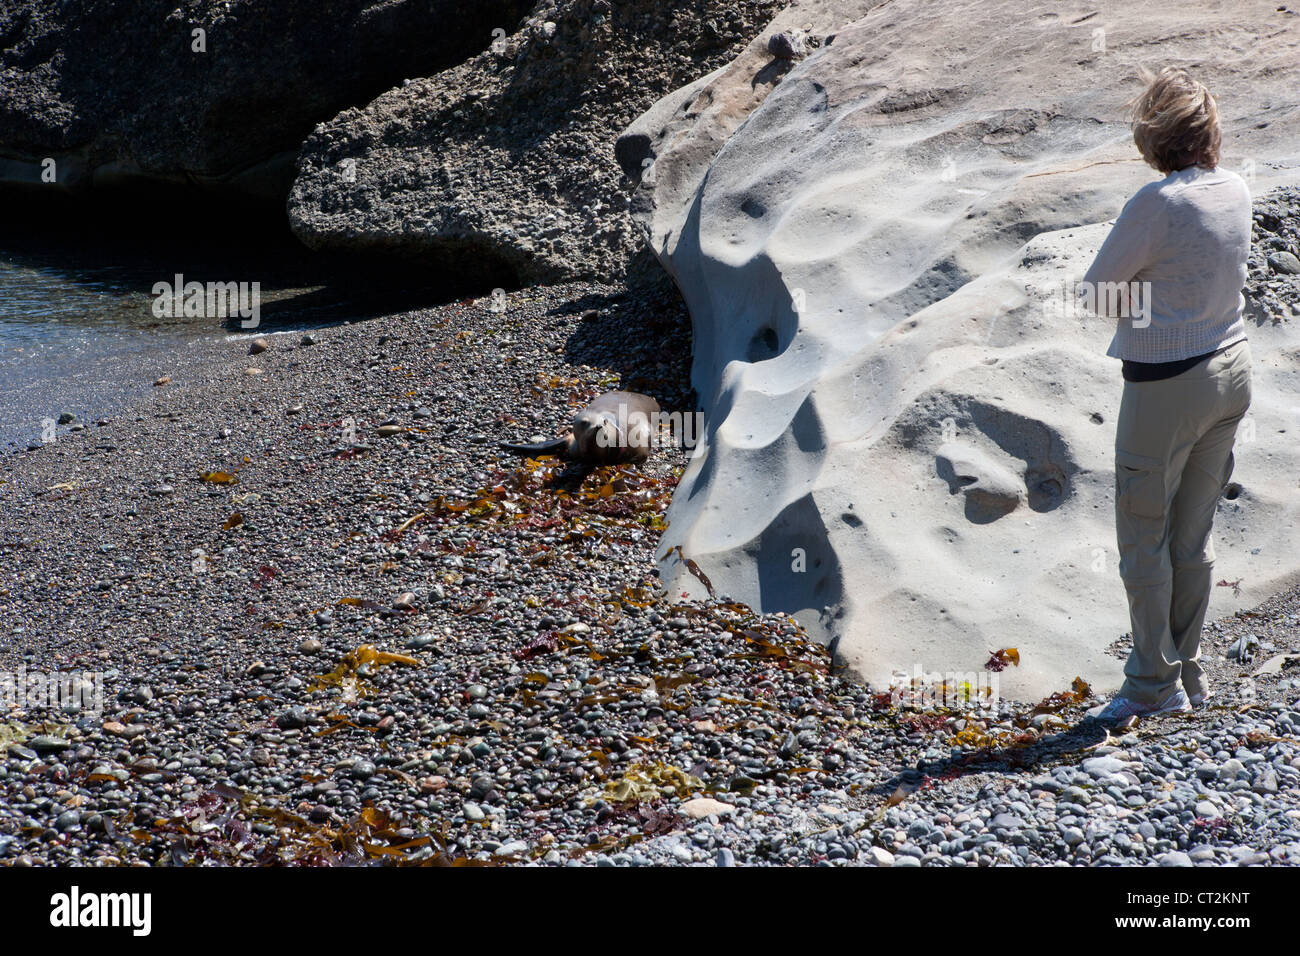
[(614, 429)]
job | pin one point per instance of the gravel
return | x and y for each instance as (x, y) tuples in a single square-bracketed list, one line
[(536, 700), (1272, 282)]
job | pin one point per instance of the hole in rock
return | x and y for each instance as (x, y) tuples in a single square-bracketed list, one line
[(985, 507), (764, 345), (1233, 491), (1046, 486)]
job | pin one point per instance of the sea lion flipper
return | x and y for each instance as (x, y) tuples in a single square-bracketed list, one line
[(556, 446)]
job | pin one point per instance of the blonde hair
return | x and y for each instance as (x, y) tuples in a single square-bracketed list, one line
[(1175, 121)]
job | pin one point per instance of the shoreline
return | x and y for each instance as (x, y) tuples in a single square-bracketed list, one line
[(548, 707)]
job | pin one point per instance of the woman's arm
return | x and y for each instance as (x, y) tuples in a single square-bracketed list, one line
[(1129, 247)]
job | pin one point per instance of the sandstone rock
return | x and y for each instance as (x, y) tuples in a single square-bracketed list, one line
[(992, 489), (668, 148), (875, 267)]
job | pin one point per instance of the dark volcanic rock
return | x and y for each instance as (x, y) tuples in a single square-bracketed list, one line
[(498, 167), (787, 45), (117, 92)]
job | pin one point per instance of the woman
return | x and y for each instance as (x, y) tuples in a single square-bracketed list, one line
[(1180, 247)]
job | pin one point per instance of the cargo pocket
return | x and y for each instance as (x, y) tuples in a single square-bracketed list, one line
[(1139, 485)]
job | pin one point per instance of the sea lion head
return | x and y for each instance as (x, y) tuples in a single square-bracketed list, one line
[(605, 437), (596, 437)]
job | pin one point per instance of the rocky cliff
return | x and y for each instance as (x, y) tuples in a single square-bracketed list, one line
[(501, 164), (215, 92)]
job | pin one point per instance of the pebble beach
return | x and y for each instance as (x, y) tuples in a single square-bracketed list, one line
[(332, 622)]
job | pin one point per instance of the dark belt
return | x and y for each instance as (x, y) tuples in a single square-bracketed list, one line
[(1155, 371)]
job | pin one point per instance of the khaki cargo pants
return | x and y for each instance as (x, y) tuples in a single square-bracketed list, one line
[(1173, 458)]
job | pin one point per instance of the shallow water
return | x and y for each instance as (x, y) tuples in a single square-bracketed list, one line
[(64, 332), (79, 335), (78, 329)]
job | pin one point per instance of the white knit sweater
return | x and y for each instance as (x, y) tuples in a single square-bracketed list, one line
[(1187, 235)]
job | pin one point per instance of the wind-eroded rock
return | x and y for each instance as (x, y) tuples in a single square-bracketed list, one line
[(875, 253)]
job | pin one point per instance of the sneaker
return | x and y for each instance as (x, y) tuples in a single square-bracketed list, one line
[(1198, 700), (1121, 708)]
